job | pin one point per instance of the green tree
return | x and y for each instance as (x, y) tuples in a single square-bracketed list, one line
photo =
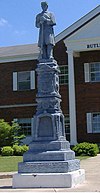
[(9, 134), (4, 133), (17, 136)]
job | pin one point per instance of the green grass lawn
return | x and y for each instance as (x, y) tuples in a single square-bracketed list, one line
[(9, 163)]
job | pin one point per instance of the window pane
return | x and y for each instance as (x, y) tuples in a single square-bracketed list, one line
[(96, 122), (24, 80), (63, 76), (67, 126), (25, 124), (92, 67), (24, 85), (92, 77), (23, 76), (97, 76), (95, 72)]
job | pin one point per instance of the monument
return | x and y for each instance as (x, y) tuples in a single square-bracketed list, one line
[(49, 162)]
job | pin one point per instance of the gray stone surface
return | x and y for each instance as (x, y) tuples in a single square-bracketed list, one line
[(49, 145), (48, 180), (49, 151), (48, 127), (48, 97), (48, 156), (45, 22), (49, 166), (49, 120)]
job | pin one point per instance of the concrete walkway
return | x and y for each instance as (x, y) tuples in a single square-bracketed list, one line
[(91, 184)]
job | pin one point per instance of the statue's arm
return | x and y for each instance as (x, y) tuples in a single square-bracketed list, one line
[(51, 21)]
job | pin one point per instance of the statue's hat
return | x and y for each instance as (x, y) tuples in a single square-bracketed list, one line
[(44, 3)]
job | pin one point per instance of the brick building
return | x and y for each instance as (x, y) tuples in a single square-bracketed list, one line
[(77, 52)]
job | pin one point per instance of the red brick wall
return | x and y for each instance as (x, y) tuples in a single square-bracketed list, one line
[(87, 96), (10, 97), (9, 114), (60, 54)]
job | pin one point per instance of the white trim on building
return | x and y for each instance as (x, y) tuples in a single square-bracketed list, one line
[(19, 53), (17, 105)]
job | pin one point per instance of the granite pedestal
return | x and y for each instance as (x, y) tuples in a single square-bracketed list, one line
[(49, 162), (49, 180)]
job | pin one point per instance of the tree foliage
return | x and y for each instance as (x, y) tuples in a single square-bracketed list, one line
[(9, 134)]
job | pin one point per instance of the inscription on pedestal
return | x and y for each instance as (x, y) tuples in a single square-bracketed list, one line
[(45, 127)]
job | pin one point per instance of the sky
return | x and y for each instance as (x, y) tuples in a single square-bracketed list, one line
[(17, 18)]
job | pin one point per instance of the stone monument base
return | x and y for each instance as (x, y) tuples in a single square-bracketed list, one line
[(48, 180)]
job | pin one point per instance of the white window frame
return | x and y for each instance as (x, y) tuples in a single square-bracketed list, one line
[(14, 81), (32, 80), (89, 122), (63, 75), (86, 72)]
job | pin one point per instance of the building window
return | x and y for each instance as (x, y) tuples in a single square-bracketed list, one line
[(25, 124), (95, 72), (67, 126), (24, 80), (92, 72), (63, 76), (93, 122), (96, 122)]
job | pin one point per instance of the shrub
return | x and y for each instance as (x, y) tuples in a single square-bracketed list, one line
[(7, 151), (17, 150), (24, 148), (99, 147), (86, 148), (20, 150)]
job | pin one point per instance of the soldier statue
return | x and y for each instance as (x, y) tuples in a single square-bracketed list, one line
[(45, 21)]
